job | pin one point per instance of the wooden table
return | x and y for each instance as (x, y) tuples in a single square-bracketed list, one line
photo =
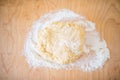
[(16, 18)]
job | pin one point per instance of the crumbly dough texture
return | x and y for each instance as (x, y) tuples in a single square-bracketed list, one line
[(61, 42)]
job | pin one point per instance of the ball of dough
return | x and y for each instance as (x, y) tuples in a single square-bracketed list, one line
[(61, 42)]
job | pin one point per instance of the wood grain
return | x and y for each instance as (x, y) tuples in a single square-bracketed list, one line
[(16, 18)]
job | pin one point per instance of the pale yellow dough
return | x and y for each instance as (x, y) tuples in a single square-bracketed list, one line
[(61, 42)]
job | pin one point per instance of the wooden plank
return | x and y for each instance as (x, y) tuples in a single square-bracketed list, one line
[(16, 18)]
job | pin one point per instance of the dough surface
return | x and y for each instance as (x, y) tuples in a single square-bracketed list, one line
[(61, 42)]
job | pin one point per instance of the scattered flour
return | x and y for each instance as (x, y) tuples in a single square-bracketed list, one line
[(95, 48)]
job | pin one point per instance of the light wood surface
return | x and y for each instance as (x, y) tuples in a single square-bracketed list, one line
[(16, 18)]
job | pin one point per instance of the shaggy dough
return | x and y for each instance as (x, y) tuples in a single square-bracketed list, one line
[(61, 42)]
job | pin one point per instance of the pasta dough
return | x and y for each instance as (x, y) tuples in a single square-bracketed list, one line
[(61, 42)]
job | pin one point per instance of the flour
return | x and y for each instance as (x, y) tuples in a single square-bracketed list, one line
[(95, 48)]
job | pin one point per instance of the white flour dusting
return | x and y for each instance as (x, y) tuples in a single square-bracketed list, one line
[(95, 48)]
